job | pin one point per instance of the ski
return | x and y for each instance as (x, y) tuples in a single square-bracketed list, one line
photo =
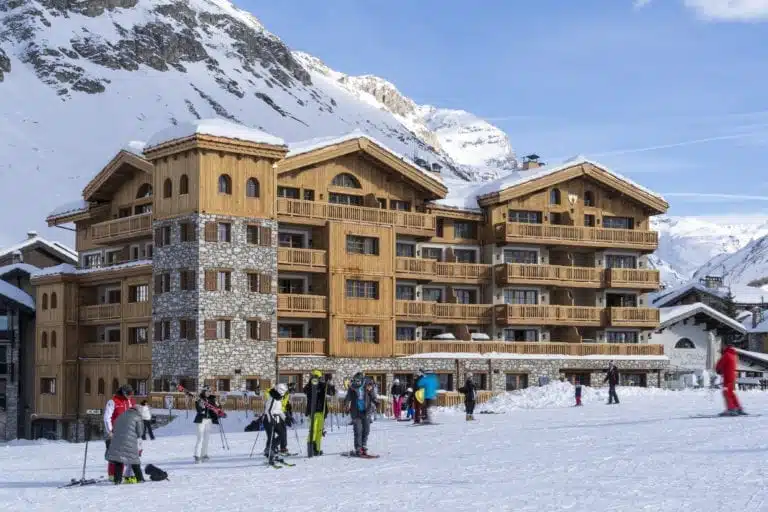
[(219, 411), (80, 483), (354, 455), (725, 416)]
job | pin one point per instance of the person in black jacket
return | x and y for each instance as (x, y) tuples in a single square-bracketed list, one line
[(397, 391), (612, 378), (204, 418), (317, 421), (419, 409), (470, 397)]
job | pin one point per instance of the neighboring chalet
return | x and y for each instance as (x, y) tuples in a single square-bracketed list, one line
[(223, 255), (712, 292)]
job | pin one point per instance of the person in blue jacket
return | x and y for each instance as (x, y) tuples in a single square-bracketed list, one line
[(431, 384)]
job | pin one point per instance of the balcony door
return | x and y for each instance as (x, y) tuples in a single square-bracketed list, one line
[(291, 240), (620, 261), (620, 300), (290, 330), (291, 285), (521, 256)]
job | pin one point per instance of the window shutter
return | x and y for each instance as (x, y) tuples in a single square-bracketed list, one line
[(158, 284), (210, 280), (182, 329), (158, 237), (211, 232), (265, 236), (158, 331), (210, 329), (192, 329), (265, 330), (183, 279), (191, 232), (265, 283)]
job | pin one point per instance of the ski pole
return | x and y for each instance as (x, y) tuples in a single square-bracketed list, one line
[(296, 432), (253, 448)]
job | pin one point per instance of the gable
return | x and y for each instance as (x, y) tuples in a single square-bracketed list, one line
[(120, 169)]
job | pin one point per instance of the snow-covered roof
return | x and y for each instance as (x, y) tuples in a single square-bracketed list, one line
[(32, 239), (24, 267), (69, 208), (135, 146), (214, 127), (668, 316), (758, 356), (17, 295), (464, 195), (741, 294), (67, 269)]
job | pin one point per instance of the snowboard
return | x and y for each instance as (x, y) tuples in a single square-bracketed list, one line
[(353, 455)]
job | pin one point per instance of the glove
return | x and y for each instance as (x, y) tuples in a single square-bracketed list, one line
[(288, 420)]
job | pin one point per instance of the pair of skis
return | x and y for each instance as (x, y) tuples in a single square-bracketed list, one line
[(218, 410)]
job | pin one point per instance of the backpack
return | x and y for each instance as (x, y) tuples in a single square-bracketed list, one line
[(256, 425), (155, 473)]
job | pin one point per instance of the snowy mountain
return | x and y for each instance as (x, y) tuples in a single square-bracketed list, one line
[(80, 79)]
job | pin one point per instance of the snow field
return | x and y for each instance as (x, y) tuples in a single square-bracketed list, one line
[(537, 453)]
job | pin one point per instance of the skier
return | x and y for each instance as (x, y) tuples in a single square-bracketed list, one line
[(204, 418), (430, 384), (360, 402), (418, 406), (275, 420), (397, 398), (115, 407), (322, 390), (470, 397), (578, 391), (146, 417), (408, 402), (125, 446), (612, 378), (288, 412), (726, 367)]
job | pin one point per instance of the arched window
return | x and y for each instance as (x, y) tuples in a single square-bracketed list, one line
[(53, 339), (252, 187), (589, 198), (184, 184), (345, 180), (44, 340), (554, 196), (45, 301), (115, 386), (53, 300), (87, 386), (145, 190), (100, 389), (684, 343), (167, 188), (225, 184)]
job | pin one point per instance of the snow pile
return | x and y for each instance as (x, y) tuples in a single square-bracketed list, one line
[(215, 128)]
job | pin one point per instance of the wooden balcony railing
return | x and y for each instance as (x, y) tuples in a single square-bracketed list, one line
[(442, 312), (437, 270), (100, 350), (404, 222), (407, 348), (298, 305), (634, 317), (122, 229), (633, 278), (581, 235), (137, 309), (302, 259), (301, 347), (100, 312), (548, 315), (549, 275)]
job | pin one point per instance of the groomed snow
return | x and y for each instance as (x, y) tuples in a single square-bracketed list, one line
[(215, 127), (538, 453)]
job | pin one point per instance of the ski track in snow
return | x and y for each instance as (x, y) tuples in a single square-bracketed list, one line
[(644, 454)]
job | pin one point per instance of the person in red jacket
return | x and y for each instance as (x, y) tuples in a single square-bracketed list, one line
[(121, 402), (726, 367)]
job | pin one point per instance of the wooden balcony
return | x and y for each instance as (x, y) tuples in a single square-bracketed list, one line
[(419, 224), (100, 350), (431, 270), (634, 317), (100, 312), (408, 348), (549, 234), (305, 306), (429, 312), (302, 260), (632, 278), (522, 314), (301, 347), (549, 275), (136, 226), (137, 309)]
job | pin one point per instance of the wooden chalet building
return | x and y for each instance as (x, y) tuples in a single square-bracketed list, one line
[(223, 255)]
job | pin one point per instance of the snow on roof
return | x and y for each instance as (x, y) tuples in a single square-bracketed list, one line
[(465, 195), (79, 205), (754, 355), (741, 294), (34, 238), (135, 146), (24, 267), (216, 128), (674, 314), (501, 355), (17, 295), (67, 269)]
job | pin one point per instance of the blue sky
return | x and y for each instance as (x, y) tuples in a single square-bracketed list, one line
[(671, 93)]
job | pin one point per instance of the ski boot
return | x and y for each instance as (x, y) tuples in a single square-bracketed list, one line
[(729, 412), (197, 460), (741, 412), (206, 458)]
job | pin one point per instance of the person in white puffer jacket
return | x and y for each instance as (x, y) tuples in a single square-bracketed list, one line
[(275, 419), (146, 417)]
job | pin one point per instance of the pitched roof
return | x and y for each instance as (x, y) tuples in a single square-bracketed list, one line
[(114, 173), (671, 315), (66, 253), (16, 295), (20, 267), (216, 128), (758, 356), (741, 294)]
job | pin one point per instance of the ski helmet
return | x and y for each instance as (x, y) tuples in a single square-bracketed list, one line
[(317, 373), (282, 388), (126, 390), (396, 381)]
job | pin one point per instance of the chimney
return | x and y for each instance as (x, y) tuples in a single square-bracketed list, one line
[(531, 162), (31, 234), (17, 257)]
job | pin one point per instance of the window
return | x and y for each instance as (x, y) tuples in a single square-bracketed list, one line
[(432, 253), (465, 255), (187, 232), (362, 245), (224, 280), (589, 198), (113, 296), (138, 293), (362, 333), (430, 333), (405, 250), (345, 180), (290, 330), (521, 297), (480, 380), (381, 203), (620, 261), (252, 385), (632, 379), (259, 235), (139, 386), (101, 387), (140, 209), (432, 294), (87, 386), (47, 386), (618, 222), (465, 296), (45, 301), (515, 381), (446, 381), (225, 184), (162, 330), (620, 300), (167, 188), (462, 229), (44, 340), (405, 292), (222, 385), (223, 329), (439, 227), (520, 256), (288, 192), (162, 283), (309, 195), (261, 330), (138, 335), (621, 336), (149, 250), (293, 240), (684, 343), (187, 280), (290, 285), (135, 252), (405, 333), (53, 339), (290, 379), (521, 335), (145, 190), (252, 187), (525, 217), (348, 199), (224, 232), (91, 260), (403, 206), (112, 335), (184, 184), (362, 289), (187, 329), (163, 236), (589, 220), (554, 196)]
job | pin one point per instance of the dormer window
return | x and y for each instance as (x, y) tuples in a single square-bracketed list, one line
[(345, 180)]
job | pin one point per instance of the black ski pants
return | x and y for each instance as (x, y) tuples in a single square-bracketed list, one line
[(277, 436), (119, 472), (148, 430), (612, 396), (469, 405), (361, 426)]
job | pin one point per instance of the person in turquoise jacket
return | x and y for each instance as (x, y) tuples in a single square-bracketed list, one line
[(431, 384)]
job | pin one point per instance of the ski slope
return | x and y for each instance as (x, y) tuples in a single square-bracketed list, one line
[(537, 454)]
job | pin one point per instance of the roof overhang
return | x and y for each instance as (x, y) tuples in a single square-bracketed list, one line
[(204, 142), (114, 174), (700, 309), (371, 150)]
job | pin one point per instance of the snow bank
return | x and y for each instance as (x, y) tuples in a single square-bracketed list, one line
[(216, 128)]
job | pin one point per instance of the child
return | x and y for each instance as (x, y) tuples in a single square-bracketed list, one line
[(578, 392), (146, 417), (408, 404)]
